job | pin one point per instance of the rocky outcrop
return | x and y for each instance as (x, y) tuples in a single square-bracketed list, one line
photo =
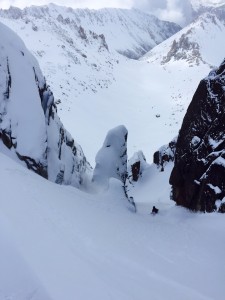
[(136, 165), (198, 176), (29, 124), (165, 154), (111, 160)]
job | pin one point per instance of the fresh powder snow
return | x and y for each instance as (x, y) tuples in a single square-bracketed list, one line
[(65, 244)]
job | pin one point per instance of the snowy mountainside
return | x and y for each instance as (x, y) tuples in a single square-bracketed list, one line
[(130, 32), (201, 42), (200, 5), (99, 90), (60, 243), (30, 129), (77, 49), (196, 4)]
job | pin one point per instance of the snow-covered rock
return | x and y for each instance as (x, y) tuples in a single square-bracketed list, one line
[(111, 160), (29, 125), (165, 154), (198, 176), (136, 165), (135, 168)]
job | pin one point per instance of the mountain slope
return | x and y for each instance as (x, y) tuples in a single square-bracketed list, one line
[(206, 3), (201, 6), (85, 43), (97, 89), (194, 45), (130, 32)]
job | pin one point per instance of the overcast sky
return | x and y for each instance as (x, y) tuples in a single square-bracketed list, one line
[(172, 10)]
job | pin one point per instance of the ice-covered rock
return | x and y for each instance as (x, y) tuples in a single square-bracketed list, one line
[(111, 160), (29, 124), (198, 176)]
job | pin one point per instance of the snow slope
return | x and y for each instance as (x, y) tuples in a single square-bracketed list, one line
[(75, 245)]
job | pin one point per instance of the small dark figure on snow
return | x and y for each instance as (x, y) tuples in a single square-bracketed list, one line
[(154, 210)]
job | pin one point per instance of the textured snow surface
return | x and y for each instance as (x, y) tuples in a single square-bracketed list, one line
[(60, 243)]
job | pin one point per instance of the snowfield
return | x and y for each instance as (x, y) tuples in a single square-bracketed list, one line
[(60, 243)]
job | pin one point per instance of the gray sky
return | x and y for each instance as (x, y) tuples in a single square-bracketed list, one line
[(171, 10)]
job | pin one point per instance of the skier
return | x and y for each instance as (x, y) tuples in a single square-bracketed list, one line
[(154, 210)]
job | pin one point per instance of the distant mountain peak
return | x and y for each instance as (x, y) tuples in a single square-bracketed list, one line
[(194, 44), (128, 31)]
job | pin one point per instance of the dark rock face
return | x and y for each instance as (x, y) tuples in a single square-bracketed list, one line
[(165, 154), (198, 177), (136, 165), (135, 168)]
